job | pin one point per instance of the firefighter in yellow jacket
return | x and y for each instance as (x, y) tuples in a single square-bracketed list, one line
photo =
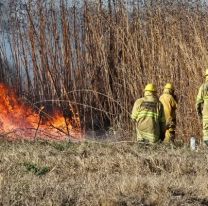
[(169, 105), (149, 116), (202, 107)]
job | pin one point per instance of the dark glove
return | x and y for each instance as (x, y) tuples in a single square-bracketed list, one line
[(175, 97), (170, 124), (199, 110), (199, 115)]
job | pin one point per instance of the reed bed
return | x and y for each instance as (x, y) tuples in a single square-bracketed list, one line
[(93, 58)]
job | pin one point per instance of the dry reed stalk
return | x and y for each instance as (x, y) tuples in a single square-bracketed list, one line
[(112, 49)]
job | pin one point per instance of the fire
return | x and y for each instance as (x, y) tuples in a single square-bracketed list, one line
[(18, 120)]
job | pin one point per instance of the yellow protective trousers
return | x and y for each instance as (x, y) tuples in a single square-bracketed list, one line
[(202, 107), (205, 128), (169, 106), (169, 135)]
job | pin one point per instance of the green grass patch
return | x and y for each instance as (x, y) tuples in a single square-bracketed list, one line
[(36, 170)]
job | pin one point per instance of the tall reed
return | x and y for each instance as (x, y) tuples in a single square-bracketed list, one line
[(95, 57)]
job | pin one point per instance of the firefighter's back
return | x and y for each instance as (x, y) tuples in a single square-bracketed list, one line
[(148, 119)]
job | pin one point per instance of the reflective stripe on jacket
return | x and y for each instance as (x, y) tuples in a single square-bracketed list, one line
[(149, 115), (202, 101), (202, 107)]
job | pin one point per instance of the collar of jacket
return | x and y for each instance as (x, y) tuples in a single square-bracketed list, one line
[(148, 93), (167, 91)]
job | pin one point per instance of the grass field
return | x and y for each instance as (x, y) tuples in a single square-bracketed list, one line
[(87, 62), (90, 173)]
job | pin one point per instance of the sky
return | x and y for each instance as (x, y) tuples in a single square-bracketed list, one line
[(3, 15)]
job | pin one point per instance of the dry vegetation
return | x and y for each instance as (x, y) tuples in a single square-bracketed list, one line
[(96, 56), (106, 174), (92, 59)]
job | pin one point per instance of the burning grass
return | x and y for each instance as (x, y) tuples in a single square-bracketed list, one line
[(103, 173), (95, 57), (18, 120)]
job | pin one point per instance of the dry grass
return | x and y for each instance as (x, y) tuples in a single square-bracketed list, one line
[(61, 173)]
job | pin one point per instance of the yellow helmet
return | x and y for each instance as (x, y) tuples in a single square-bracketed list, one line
[(169, 86), (150, 88), (206, 73)]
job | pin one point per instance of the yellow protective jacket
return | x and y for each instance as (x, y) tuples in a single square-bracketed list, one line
[(149, 116), (202, 107), (169, 106), (202, 101)]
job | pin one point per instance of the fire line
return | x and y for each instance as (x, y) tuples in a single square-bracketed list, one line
[(19, 121)]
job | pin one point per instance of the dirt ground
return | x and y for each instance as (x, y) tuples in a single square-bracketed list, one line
[(91, 173)]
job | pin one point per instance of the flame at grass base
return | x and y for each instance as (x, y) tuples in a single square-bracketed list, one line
[(19, 121)]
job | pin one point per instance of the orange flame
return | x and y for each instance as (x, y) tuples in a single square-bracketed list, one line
[(20, 121)]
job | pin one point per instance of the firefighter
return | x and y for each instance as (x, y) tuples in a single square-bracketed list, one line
[(169, 103), (149, 116), (202, 107)]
